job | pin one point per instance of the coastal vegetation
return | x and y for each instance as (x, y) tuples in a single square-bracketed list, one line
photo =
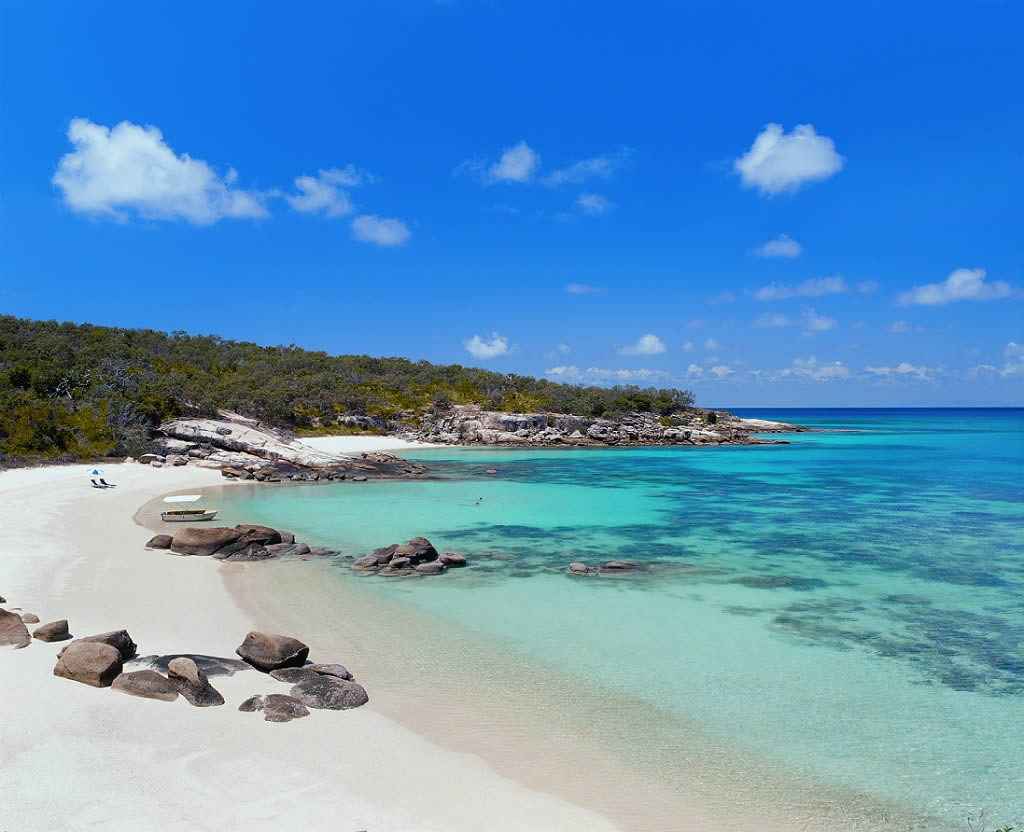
[(75, 391)]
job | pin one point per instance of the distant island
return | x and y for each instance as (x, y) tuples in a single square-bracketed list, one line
[(76, 391)]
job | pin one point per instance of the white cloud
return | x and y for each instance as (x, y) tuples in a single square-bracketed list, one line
[(643, 374), (382, 231), (725, 296), (866, 287), (694, 370), (813, 322), (571, 372), (810, 320), (904, 370), (688, 346), (517, 164), (712, 344), (1013, 360), (559, 350), (781, 246), (721, 371), (899, 327), (598, 167), (962, 284), (1013, 364), (323, 192), (808, 289), (778, 320), (647, 345), (809, 368), (479, 348), (129, 168), (584, 289), (778, 161), (696, 323), (982, 370), (593, 203)]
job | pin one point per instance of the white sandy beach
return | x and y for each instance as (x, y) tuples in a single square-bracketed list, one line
[(74, 757), (362, 444)]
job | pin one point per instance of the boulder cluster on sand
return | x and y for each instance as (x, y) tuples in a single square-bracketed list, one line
[(109, 660), (320, 686), (95, 660), (417, 557), (246, 449), (14, 633), (237, 543)]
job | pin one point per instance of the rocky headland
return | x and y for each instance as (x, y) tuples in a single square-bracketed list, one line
[(246, 449), (472, 425)]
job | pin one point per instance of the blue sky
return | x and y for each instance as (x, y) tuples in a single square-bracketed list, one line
[(771, 204)]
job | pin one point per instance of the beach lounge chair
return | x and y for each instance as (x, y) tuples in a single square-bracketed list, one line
[(97, 485), (106, 484)]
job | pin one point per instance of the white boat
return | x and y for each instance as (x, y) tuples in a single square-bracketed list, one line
[(186, 515)]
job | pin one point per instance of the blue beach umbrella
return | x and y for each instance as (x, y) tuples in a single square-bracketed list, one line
[(96, 472)]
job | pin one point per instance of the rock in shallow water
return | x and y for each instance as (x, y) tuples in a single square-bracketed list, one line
[(54, 631), (159, 541), (192, 683), (330, 670), (252, 552), (263, 535), (13, 630), (279, 707), (578, 568), (203, 542), (91, 663), (269, 651), (146, 683), (331, 693), (118, 639), (618, 566), (293, 675), (210, 665), (30, 618), (253, 703)]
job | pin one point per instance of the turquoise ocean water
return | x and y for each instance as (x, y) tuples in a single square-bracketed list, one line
[(848, 607)]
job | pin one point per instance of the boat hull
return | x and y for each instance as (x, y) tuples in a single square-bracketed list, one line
[(187, 516)]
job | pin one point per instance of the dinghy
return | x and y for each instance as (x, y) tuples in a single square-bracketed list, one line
[(186, 515)]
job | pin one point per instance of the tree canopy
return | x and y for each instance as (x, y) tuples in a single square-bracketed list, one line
[(78, 390)]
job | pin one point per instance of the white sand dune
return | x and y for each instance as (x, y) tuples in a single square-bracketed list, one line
[(74, 757)]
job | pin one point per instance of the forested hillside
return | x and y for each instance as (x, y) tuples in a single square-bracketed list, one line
[(81, 391)]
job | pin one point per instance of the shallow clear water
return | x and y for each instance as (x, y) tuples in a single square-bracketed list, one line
[(848, 607)]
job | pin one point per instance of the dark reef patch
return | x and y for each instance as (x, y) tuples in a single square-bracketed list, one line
[(778, 581)]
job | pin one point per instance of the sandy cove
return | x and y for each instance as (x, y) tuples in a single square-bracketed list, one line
[(76, 757), (432, 751)]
